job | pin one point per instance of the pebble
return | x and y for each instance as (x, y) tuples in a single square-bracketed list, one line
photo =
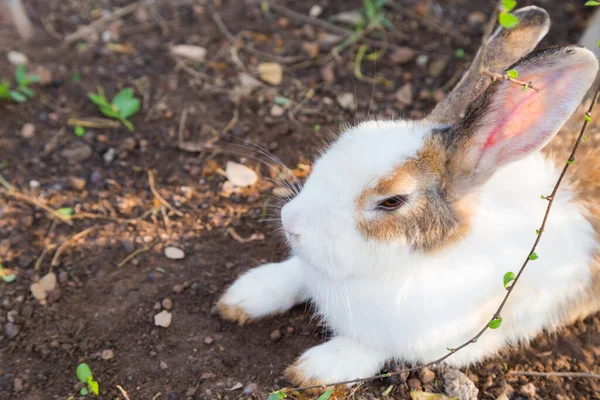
[(163, 319), (277, 111), (167, 303), (18, 384), (178, 288), (404, 95), (163, 365), (459, 385), (208, 340), (11, 330), (237, 386), (194, 53), (28, 131), (402, 55), (34, 184), (276, 335), (41, 288), (191, 391), (528, 390), (109, 156), (250, 388), (315, 11), (77, 154), (422, 60), (16, 58), (437, 66), (107, 354), (76, 183), (346, 100), (426, 375), (63, 276), (173, 253)]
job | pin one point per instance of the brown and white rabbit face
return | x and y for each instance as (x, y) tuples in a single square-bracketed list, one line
[(388, 191)]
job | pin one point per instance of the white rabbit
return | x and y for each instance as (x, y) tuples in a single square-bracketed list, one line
[(404, 230)]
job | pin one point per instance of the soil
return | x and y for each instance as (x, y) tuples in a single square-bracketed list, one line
[(100, 306)]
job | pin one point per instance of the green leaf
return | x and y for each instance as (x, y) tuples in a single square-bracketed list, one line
[(326, 395), (277, 396), (459, 53), (123, 96), (5, 90), (27, 91), (508, 20), (512, 73), (570, 162), (533, 256), (317, 127), (66, 212), (18, 96), (21, 75), (79, 131), (109, 112), (94, 387), (128, 107), (598, 43), (76, 77), (128, 124), (537, 231), (508, 278), (98, 100), (84, 372), (543, 197), (495, 323), (588, 118), (84, 391), (509, 5), (592, 3)]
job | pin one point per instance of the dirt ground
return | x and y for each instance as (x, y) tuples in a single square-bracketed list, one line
[(196, 117)]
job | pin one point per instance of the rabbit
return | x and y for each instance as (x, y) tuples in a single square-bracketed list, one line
[(403, 231)]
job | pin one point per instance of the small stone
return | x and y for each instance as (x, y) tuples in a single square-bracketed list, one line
[(404, 95), (426, 375), (402, 55), (16, 58), (63, 276), (128, 144), (208, 340), (194, 53), (163, 319), (77, 154), (237, 386), (347, 101), (240, 175), (271, 72), (250, 388), (34, 184), (178, 288), (173, 253), (437, 66), (167, 303), (414, 384), (76, 183), (422, 60), (277, 111), (163, 365), (109, 156), (528, 390), (107, 354), (11, 330), (459, 385), (157, 306), (315, 11), (191, 391), (28, 131), (41, 288), (18, 385), (276, 335)]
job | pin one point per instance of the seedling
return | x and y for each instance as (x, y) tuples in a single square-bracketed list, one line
[(84, 374), (122, 106), (7, 275), (23, 90)]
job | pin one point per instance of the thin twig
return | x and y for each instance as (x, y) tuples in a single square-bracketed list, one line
[(123, 392), (561, 374), (158, 196), (495, 76), (47, 247), (95, 26), (56, 259), (35, 202), (135, 254)]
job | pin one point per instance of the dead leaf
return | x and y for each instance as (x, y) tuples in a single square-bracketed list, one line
[(311, 48), (190, 52), (240, 175), (271, 72), (238, 238)]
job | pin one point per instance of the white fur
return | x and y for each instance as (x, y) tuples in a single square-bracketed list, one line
[(384, 300)]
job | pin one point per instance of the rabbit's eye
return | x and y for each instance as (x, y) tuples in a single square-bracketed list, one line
[(392, 203)]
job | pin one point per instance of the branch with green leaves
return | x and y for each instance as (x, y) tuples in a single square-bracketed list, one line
[(122, 106)]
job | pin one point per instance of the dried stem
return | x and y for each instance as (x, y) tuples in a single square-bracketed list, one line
[(159, 197), (135, 254), (56, 259)]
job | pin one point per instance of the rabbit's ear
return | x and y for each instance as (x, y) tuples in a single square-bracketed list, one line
[(504, 48), (507, 123)]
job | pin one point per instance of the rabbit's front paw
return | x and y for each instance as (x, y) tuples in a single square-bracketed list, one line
[(262, 291), (338, 360)]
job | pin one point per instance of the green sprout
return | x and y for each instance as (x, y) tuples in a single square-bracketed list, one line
[(508, 278), (122, 106), (512, 73), (533, 256), (495, 323), (84, 374), (79, 131), (7, 275), (505, 18), (23, 90), (277, 395)]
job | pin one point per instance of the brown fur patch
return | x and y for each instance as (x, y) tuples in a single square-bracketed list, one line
[(233, 314), (430, 220)]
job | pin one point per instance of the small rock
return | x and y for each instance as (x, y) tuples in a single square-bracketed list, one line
[(173, 253), (107, 354), (437, 66), (28, 131), (109, 156), (250, 388), (347, 101), (18, 385), (11, 330), (277, 111), (271, 72), (163, 319), (77, 154), (276, 335), (208, 340), (315, 11), (459, 385), (404, 95), (128, 144), (167, 303), (163, 365), (240, 175), (178, 288), (414, 384), (41, 288), (76, 183), (402, 55), (528, 390), (194, 53), (422, 60), (237, 386), (16, 58), (426, 375), (191, 391), (34, 184)]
